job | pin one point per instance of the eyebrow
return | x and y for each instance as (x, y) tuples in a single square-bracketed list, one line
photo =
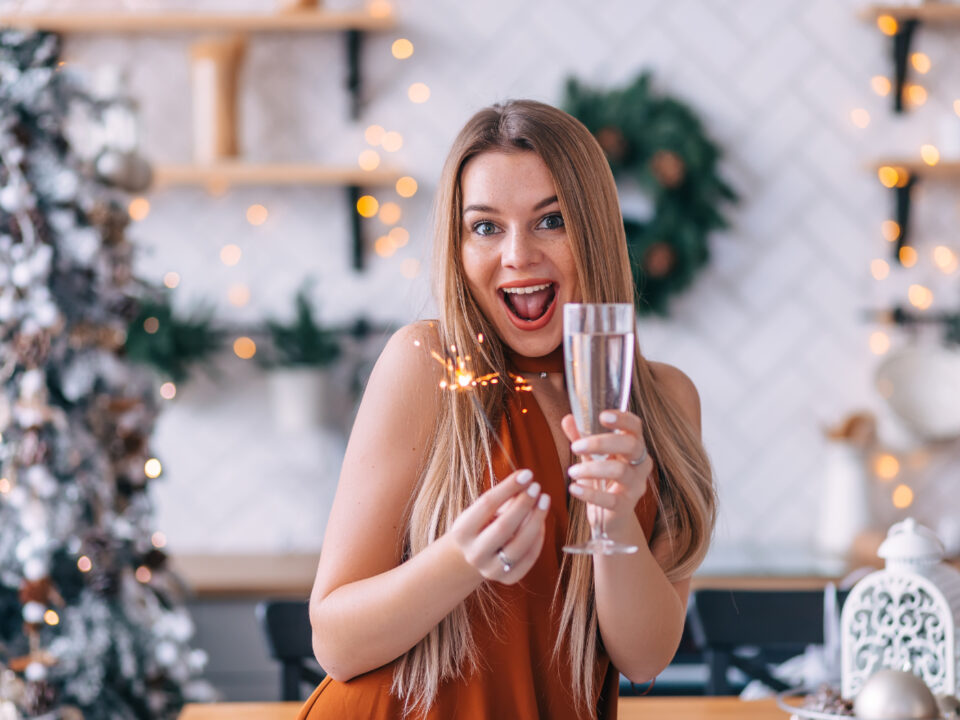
[(486, 208)]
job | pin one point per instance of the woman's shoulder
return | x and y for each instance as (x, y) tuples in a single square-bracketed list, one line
[(679, 388), (408, 364)]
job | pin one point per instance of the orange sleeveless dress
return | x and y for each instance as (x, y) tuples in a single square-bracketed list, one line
[(517, 677)]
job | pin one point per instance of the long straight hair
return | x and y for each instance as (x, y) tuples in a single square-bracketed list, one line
[(454, 470)]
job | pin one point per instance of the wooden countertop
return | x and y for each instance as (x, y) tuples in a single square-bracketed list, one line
[(647, 708), (291, 575)]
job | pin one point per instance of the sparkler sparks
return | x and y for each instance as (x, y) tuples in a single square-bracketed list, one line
[(460, 378)]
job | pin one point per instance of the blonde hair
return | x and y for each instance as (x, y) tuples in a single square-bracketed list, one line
[(461, 449)]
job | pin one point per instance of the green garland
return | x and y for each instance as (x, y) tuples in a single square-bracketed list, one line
[(658, 143)]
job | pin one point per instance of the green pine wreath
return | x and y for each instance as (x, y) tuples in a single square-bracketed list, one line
[(658, 143)]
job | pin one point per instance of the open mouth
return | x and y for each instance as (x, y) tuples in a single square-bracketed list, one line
[(531, 304)]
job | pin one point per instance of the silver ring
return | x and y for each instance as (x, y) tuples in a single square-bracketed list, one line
[(507, 562), (640, 460)]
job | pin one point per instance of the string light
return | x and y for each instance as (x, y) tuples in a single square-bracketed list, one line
[(930, 154), (401, 48), (886, 467), (257, 215), (945, 259), (398, 236), (374, 134), (152, 468), (5, 485), (410, 268), (390, 213), (879, 342), (392, 141), (369, 160), (908, 256), (921, 297), (168, 391), (143, 574), (902, 497), (158, 539), (916, 95), (379, 8), (171, 279), (151, 325), (418, 93), (890, 229), (880, 269), (889, 176), (84, 564), (230, 255), (887, 24), (51, 618), (244, 348), (406, 187), (383, 247), (860, 117), (881, 85), (238, 295), (368, 206), (921, 62), (138, 209)]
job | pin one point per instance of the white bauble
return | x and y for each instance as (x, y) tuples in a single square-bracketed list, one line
[(33, 612), (166, 653), (21, 274), (895, 695), (35, 672), (35, 569)]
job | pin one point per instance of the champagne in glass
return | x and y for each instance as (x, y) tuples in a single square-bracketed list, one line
[(598, 352)]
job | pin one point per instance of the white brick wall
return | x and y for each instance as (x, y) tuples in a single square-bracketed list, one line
[(770, 333)]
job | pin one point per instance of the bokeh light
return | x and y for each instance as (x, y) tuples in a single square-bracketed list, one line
[(151, 325), (418, 93), (374, 134), (368, 206), (152, 468), (410, 268), (406, 187), (889, 176), (398, 236), (230, 255), (930, 154), (908, 256), (921, 62), (238, 295), (860, 117), (369, 160), (879, 342), (171, 279), (392, 141), (383, 247), (244, 348), (390, 213), (168, 391), (920, 296), (945, 259), (887, 24), (886, 466), (890, 229), (139, 208), (84, 564), (902, 497), (401, 48), (881, 85), (880, 269), (257, 214)]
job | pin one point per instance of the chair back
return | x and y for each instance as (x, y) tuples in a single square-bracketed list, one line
[(774, 624), (286, 624)]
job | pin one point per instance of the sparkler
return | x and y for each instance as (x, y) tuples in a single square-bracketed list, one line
[(461, 379)]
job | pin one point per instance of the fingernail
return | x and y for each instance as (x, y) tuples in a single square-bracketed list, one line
[(524, 476), (575, 490), (579, 446), (544, 502), (574, 471), (534, 490), (608, 417)]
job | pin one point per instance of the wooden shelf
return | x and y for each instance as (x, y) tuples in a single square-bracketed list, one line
[(155, 22), (931, 12), (241, 173)]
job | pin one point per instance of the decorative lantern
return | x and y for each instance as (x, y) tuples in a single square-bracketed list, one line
[(904, 616)]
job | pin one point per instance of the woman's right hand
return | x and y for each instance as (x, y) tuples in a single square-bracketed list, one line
[(501, 533)]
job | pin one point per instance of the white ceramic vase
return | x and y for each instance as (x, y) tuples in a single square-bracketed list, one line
[(300, 397), (922, 385)]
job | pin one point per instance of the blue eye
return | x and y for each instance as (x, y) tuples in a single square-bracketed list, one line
[(484, 228), (553, 221)]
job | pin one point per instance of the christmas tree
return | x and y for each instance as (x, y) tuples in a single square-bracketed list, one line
[(90, 623)]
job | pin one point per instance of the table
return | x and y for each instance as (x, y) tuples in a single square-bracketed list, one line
[(648, 708)]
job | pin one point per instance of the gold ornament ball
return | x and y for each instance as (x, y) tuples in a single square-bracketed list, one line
[(668, 168), (895, 695)]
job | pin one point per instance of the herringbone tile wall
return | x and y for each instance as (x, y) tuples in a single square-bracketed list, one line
[(772, 332)]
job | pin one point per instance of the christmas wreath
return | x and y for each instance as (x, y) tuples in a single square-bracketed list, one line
[(656, 144)]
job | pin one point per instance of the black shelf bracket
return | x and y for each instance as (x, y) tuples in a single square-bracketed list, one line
[(901, 56), (356, 226), (903, 194), (353, 42)]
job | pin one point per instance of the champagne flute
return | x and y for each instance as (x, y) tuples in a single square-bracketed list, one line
[(598, 353)]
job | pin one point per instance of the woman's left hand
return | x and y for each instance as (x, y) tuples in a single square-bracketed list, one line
[(626, 469)]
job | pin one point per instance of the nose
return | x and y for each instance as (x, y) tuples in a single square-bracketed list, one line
[(519, 249)]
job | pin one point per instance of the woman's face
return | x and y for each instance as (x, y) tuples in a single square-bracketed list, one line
[(516, 254)]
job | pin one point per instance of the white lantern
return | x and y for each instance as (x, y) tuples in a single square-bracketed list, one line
[(906, 615)]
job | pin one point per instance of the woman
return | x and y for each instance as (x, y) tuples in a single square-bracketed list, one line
[(442, 591)]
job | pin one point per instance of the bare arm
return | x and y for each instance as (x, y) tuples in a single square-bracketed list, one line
[(367, 608), (640, 612)]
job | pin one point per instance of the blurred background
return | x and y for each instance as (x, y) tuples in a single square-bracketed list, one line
[(816, 323)]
